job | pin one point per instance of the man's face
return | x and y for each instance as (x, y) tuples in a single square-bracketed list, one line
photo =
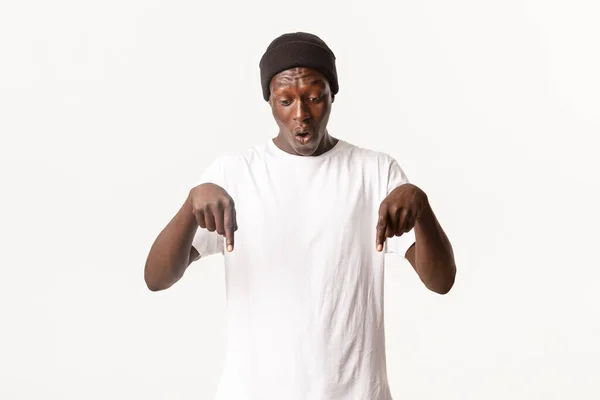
[(301, 103)]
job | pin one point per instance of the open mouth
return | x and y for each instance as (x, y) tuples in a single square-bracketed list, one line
[(303, 137)]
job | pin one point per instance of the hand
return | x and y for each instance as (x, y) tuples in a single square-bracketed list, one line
[(214, 210), (399, 212)]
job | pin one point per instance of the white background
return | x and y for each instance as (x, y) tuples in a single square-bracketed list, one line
[(110, 111)]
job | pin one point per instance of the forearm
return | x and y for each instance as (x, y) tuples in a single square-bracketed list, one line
[(169, 255), (434, 257)]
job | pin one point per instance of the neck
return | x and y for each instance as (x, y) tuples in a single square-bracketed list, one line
[(327, 143)]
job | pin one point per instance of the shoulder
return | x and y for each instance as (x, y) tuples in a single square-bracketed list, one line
[(380, 164), (371, 156), (234, 162)]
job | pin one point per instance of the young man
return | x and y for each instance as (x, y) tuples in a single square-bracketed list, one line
[(303, 221)]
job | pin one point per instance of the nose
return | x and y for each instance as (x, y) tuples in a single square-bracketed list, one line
[(301, 111)]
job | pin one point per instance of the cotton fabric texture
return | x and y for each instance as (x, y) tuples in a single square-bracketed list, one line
[(304, 284)]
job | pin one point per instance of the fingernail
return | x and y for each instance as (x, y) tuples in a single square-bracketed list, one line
[(229, 248), (379, 247)]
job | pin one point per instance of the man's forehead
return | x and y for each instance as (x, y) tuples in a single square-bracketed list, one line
[(293, 76)]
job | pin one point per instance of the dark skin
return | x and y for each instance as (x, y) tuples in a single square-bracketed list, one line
[(301, 101), (407, 207)]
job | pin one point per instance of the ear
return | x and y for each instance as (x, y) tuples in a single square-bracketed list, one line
[(332, 98)]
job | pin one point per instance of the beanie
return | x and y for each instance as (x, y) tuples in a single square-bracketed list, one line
[(299, 49)]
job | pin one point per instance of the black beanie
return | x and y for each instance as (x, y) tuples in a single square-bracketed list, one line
[(298, 49)]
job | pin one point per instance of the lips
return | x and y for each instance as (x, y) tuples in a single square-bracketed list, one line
[(302, 133), (303, 137)]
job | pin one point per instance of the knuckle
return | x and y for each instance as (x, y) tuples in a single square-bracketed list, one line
[(211, 208), (196, 206)]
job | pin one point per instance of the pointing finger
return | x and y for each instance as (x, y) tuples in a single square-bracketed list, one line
[(230, 226), (381, 231)]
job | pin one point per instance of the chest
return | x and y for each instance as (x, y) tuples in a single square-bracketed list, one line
[(303, 215)]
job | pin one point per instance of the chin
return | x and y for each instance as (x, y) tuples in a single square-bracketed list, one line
[(307, 149), (306, 152)]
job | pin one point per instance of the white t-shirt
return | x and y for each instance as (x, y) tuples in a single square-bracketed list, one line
[(305, 281)]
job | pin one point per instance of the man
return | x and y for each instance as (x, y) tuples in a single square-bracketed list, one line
[(303, 221)]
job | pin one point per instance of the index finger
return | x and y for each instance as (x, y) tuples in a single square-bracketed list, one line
[(381, 228), (230, 222)]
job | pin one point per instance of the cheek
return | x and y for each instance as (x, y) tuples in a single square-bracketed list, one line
[(281, 119), (321, 112), (277, 113), (285, 116)]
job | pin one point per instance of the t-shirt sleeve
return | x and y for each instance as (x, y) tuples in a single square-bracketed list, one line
[(398, 244), (206, 242)]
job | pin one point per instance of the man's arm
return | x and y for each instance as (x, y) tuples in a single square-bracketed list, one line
[(431, 256), (172, 251), (406, 208), (208, 206)]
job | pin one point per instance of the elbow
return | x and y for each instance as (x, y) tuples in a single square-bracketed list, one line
[(442, 290), (153, 283), (154, 287), (445, 283)]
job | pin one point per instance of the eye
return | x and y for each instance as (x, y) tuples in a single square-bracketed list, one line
[(285, 103), (315, 99)]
